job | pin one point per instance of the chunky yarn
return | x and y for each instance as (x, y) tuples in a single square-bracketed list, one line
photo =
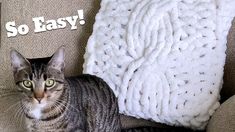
[(164, 59)]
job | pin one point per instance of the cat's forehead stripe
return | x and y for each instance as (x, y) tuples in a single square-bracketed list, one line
[(38, 66), (38, 70)]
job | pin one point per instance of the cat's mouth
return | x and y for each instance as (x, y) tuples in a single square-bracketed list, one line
[(38, 101)]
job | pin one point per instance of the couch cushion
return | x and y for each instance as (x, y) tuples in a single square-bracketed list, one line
[(229, 72), (128, 123), (224, 118)]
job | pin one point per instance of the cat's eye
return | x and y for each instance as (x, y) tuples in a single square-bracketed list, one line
[(27, 84), (50, 83)]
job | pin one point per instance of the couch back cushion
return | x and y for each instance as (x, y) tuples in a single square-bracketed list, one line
[(229, 72)]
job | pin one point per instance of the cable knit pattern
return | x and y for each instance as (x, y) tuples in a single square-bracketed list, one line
[(163, 59)]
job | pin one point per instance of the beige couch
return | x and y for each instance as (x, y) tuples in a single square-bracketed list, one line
[(44, 44)]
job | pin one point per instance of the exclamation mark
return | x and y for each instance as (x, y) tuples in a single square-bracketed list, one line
[(81, 17)]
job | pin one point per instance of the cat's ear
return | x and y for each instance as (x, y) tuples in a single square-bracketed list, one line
[(18, 62), (57, 60)]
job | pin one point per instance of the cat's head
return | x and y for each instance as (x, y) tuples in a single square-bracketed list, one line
[(39, 80)]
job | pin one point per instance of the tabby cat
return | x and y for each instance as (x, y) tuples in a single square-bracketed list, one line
[(54, 103)]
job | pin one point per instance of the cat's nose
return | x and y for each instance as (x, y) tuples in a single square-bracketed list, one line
[(39, 99), (39, 96)]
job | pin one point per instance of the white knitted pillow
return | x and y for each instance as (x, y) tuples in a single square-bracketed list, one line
[(163, 59)]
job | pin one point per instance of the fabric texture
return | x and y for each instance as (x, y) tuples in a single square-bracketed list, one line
[(163, 59), (224, 118)]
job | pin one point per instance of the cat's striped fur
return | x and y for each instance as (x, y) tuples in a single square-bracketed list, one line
[(87, 104), (76, 104)]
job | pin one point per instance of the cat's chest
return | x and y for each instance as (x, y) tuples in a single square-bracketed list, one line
[(36, 111)]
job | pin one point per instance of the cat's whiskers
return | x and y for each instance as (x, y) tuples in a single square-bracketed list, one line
[(12, 119), (7, 94), (9, 121), (16, 114), (61, 110), (60, 103), (22, 115), (9, 108), (57, 104), (19, 115), (69, 105), (66, 107)]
